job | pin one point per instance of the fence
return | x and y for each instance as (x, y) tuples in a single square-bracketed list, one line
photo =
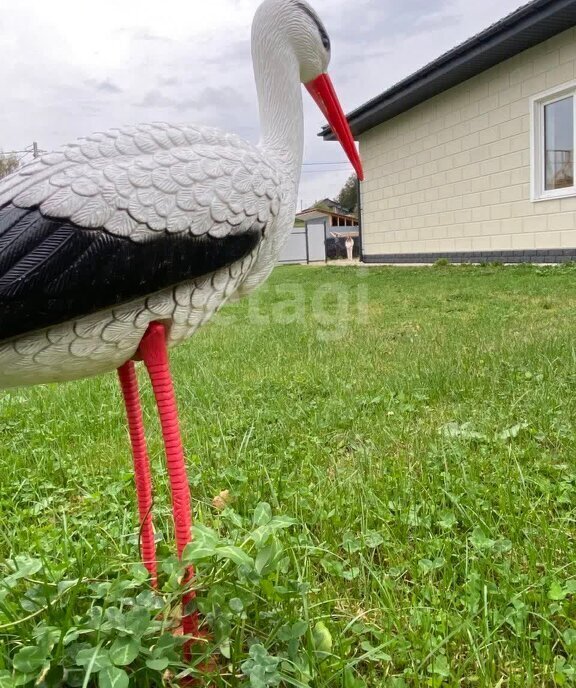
[(305, 245)]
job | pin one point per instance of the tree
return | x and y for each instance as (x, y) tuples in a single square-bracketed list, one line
[(8, 163), (322, 205), (348, 196)]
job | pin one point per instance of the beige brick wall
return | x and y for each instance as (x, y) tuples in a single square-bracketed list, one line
[(453, 173)]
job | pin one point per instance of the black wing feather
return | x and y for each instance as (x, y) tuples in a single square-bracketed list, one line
[(52, 270)]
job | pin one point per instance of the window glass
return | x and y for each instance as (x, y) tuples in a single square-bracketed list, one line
[(559, 144)]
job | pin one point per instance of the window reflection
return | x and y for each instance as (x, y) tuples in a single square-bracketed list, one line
[(559, 144)]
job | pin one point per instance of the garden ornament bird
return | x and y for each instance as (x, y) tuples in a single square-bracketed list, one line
[(120, 245)]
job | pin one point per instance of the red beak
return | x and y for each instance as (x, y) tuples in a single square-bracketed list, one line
[(322, 90)]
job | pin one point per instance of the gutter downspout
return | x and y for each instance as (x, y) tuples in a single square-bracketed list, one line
[(359, 197)]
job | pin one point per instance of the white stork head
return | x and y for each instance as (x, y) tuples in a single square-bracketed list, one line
[(297, 27), (309, 39)]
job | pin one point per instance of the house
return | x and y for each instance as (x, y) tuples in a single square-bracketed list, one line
[(334, 207), (330, 215), (471, 158), (335, 222), (320, 234)]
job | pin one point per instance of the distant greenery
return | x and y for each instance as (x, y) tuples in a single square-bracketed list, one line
[(398, 447), (8, 164), (321, 205), (348, 196)]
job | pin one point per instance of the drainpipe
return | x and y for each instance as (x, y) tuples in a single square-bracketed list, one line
[(359, 196)]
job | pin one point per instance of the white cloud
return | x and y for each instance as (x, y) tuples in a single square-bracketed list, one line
[(69, 68)]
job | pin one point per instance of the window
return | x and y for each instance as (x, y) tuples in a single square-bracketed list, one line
[(553, 146), (559, 144)]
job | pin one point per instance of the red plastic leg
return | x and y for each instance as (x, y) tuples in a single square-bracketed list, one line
[(154, 353), (129, 385)]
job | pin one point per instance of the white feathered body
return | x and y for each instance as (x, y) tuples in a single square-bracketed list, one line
[(139, 182)]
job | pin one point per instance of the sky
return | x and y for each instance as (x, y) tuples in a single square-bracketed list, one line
[(72, 67)]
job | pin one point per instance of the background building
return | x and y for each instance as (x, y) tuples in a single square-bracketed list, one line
[(320, 234), (472, 157)]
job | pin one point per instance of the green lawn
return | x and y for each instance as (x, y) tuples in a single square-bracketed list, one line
[(399, 449)]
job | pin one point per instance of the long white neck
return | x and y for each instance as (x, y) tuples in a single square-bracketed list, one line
[(277, 75)]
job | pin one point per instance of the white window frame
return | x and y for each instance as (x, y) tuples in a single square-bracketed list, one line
[(538, 191)]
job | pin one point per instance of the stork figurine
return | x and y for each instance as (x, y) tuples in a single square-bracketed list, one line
[(122, 244)]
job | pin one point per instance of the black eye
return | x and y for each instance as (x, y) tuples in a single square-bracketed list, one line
[(325, 41)]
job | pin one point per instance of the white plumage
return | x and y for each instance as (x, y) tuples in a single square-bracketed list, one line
[(136, 182), (153, 178)]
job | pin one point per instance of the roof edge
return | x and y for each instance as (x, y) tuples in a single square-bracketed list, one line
[(524, 28)]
